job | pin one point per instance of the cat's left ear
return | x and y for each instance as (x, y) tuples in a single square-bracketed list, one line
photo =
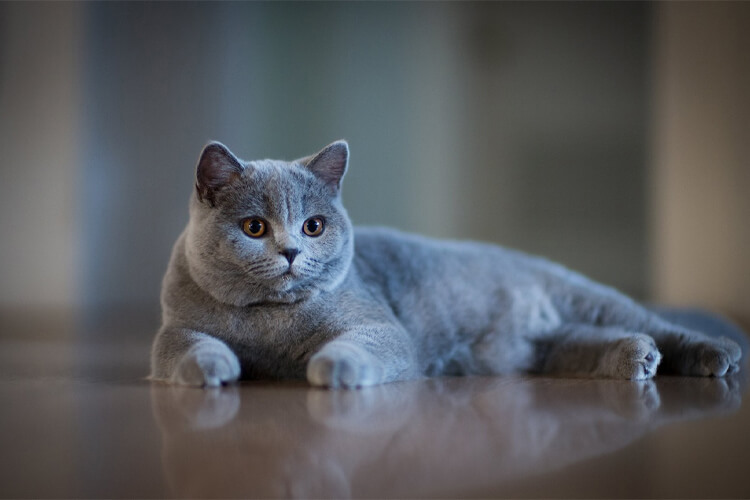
[(330, 164)]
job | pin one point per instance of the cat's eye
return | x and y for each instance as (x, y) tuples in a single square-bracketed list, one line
[(255, 228), (313, 226)]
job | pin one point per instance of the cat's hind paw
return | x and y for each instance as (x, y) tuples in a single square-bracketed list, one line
[(714, 357), (633, 358), (343, 365), (207, 366)]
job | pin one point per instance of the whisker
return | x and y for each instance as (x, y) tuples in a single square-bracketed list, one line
[(263, 271), (259, 268), (307, 267)]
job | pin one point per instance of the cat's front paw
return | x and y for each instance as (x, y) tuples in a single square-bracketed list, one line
[(207, 366), (712, 358), (343, 365), (633, 358)]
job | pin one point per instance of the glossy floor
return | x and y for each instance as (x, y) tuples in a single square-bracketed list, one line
[(77, 419)]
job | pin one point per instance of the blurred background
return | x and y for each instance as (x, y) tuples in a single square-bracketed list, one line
[(612, 137)]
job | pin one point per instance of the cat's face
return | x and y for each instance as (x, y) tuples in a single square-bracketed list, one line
[(268, 231)]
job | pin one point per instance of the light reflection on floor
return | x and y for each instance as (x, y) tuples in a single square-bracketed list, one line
[(437, 438), (77, 419)]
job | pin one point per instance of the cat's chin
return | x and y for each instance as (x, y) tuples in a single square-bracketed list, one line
[(283, 297), (287, 288)]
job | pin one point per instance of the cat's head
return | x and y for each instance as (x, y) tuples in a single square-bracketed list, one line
[(268, 230)]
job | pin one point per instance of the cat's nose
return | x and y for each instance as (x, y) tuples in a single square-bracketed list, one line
[(290, 254)]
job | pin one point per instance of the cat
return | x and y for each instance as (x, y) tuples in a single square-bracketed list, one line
[(270, 280)]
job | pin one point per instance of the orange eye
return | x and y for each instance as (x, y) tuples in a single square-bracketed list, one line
[(255, 228), (313, 226)]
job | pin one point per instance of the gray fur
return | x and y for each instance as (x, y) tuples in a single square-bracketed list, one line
[(359, 307)]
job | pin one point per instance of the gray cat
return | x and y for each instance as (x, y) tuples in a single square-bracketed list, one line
[(270, 280)]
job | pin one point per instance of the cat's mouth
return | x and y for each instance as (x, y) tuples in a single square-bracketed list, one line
[(287, 281), (289, 274), (288, 277)]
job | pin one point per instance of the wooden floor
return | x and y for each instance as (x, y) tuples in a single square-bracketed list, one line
[(78, 420)]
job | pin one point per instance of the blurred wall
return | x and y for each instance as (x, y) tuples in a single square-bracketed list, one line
[(701, 175), (40, 132), (520, 123)]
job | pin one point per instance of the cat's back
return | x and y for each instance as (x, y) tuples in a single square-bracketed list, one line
[(390, 251), (403, 263), (444, 272)]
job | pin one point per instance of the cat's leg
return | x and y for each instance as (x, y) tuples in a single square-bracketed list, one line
[(685, 352), (599, 352), (363, 356), (186, 357)]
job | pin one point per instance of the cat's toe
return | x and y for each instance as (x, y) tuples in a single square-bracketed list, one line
[(334, 373), (326, 371), (635, 358), (714, 358), (713, 362), (341, 366), (733, 349), (207, 368)]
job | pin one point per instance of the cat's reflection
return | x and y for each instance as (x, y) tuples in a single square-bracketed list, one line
[(441, 436)]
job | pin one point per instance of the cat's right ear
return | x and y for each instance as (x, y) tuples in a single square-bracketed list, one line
[(217, 167)]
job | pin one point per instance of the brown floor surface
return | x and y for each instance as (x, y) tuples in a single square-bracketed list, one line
[(77, 419)]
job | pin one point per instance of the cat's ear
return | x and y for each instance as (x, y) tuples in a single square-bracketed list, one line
[(329, 164), (217, 167)]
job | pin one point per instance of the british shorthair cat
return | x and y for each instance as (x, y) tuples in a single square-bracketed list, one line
[(270, 280)]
